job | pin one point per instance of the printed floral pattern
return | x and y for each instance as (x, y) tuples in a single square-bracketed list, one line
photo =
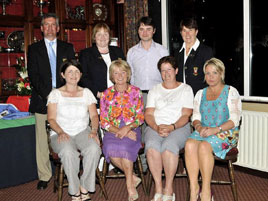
[(215, 113), (114, 107)]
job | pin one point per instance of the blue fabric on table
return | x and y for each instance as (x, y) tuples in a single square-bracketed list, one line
[(12, 112)]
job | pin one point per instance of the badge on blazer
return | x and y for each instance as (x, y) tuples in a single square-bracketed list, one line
[(195, 71), (64, 59)]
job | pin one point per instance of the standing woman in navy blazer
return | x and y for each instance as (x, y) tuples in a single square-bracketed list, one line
[(192, 56), (96, 60)]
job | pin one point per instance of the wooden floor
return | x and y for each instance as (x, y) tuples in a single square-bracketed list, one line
[(252, 186)]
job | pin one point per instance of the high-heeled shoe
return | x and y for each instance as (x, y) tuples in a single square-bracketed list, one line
[(138, 181), (85, 196), (133, 197), (198, 196), (169, 197), (211, 198), (157, 196)]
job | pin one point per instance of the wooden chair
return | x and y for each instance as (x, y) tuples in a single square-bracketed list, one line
[(60, 180), (179, 174), (121, 175), (230, 158)]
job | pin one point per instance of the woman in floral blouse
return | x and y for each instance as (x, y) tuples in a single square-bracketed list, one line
[(217, 111), (121, 114)]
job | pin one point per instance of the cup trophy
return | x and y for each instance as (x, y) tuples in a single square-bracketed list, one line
[(4, 4), (41, 4)]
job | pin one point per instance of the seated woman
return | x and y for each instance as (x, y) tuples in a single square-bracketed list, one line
[(217, 111), (121, 114), (69, 109), (168, 111)]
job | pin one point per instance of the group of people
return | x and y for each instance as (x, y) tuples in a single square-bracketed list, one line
[(147, 98)]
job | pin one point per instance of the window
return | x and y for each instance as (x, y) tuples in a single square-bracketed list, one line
[(238, 34)]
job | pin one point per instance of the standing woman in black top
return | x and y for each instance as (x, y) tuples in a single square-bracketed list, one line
[(192, 56), (96, 60)]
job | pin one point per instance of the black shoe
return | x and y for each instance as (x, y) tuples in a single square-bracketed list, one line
[(42, 185)]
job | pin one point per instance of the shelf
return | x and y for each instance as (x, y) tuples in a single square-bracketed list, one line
[(76, 20), (11, 21)]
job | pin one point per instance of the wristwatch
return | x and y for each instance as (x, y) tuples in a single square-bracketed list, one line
[(220, 129)]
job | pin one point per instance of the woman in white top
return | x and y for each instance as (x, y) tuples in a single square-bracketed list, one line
[(216, 116), (168, 111), (69, 109)]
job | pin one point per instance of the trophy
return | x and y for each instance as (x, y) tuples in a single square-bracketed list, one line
[(4, 4), (41, 4)]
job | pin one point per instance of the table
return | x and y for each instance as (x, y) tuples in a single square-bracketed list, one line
[(17, 152)]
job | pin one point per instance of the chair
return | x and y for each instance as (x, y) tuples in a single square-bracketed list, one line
[(60, 180), (121, 175), (230, 158), (179, 174)]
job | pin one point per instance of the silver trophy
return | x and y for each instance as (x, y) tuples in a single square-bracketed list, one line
[(41, 4), (4, 4)]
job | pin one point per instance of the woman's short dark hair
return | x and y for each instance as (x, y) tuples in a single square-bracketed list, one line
[(66, 64), (148, 21), (167, 59), (70, 62), (189, 23)]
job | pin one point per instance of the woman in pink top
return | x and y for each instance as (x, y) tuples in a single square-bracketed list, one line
[(121, 114)]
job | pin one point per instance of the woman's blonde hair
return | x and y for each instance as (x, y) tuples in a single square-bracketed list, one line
[(98, 27), (122, 65), (219, 66)]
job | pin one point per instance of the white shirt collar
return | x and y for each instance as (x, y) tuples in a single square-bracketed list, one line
[(48, 41), (195, 46), (152, 44)]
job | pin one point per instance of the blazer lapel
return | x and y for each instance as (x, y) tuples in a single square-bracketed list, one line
[(43, 52)]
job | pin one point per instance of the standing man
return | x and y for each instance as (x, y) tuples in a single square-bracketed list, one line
[(44, 60), (143, 59), (192, 56)]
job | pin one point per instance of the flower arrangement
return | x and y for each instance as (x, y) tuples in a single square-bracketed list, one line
[(22, 83)]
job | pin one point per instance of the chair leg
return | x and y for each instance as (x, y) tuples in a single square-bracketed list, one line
[(60, 183), (101, 181), (149, 183), (188, 190), (142, 175), (232, 178), (104, 170), (56, 177)]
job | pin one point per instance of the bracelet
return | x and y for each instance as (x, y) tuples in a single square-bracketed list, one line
[(197, 126), (94, 129), (220, 129), (174, 127)]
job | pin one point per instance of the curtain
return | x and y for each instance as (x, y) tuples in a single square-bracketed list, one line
[(133, 11)]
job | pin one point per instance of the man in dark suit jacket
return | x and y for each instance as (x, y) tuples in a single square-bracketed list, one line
[(43, 78), (96, 60), (192, 56)]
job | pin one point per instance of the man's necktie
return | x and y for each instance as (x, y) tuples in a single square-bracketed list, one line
[(52, 61)]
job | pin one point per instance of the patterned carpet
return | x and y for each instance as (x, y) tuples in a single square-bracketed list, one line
[(252, 186)]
